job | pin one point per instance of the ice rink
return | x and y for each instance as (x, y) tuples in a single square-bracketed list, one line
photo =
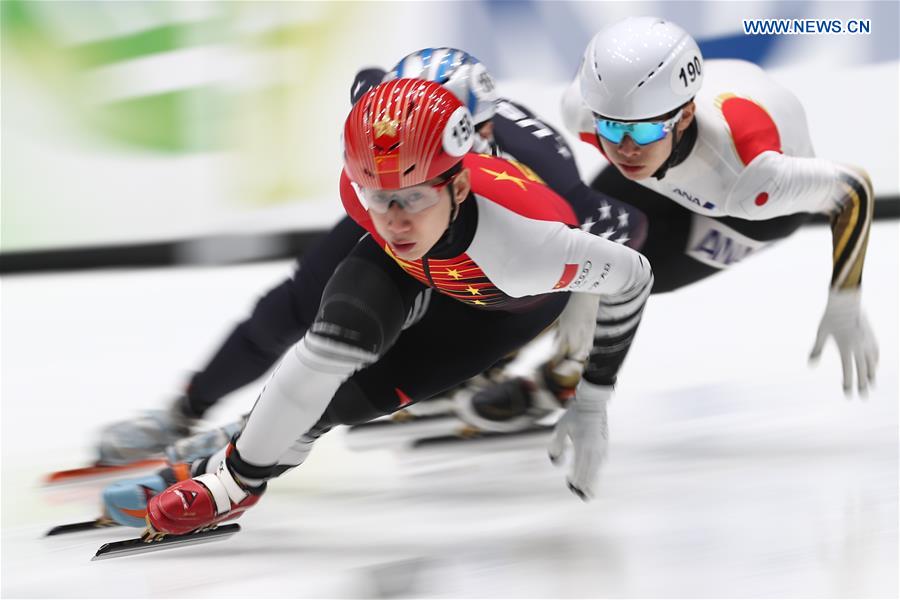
[(735, 470)]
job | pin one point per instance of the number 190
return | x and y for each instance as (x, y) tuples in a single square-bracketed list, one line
[(691, 72)]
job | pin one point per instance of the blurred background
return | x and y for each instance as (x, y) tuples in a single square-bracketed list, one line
[(209, 131), (205, 136)]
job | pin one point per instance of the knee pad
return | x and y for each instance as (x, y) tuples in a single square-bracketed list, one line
[(362, 307)]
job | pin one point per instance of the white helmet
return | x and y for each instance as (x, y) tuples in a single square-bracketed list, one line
[(458, 71), (640, 68)]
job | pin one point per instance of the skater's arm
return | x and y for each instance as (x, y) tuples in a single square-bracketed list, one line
[(775, 185)]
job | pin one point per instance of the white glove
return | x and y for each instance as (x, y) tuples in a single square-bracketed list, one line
[(846, 322), (577, 322), (584, 422)]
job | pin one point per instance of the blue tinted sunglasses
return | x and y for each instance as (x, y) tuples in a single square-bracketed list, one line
[(642, 132)]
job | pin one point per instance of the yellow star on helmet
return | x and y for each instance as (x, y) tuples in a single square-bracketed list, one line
[(473, 291), (453, 273), (504, 176), (479, 303), (386, 126)]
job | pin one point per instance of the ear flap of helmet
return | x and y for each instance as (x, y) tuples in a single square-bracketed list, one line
[(686, 74), (459, 133), (483, 93)]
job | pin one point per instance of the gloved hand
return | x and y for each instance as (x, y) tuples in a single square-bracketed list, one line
[(576, 325), (845, 321), (584, 422)]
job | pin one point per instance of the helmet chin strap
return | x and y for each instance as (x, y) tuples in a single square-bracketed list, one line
[(447, 237), (681, 147), (454, 208)]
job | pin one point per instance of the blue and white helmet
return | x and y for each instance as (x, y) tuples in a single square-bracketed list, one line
[(458, 71)]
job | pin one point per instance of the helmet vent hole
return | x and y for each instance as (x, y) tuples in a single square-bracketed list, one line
[(409, 170), (644, 80)]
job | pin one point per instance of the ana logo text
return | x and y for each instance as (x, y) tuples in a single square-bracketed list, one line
[(694, 199)]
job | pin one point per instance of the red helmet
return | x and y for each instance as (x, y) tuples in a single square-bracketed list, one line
[(405, 132)]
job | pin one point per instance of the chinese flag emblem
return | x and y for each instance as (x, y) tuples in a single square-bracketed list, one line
[(567, 276)]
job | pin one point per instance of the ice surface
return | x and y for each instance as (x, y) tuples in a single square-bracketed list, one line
[(734, 470)]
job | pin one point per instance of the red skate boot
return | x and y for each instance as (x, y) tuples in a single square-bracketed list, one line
[(199, 503)]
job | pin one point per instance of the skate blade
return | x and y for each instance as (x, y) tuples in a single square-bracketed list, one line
[(154, 542), (468, 435), (97, 471), (100, 523)]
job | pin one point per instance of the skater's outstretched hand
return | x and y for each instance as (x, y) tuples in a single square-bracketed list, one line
[(585, 424), (845, 321)]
